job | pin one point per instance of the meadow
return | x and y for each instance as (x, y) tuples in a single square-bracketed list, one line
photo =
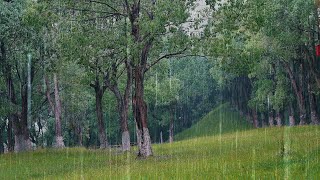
[(265, 153)]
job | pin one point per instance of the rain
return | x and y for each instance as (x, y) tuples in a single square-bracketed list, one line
[(130, 89)]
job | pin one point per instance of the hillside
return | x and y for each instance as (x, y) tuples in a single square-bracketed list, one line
[(221, 120), (271, 153)]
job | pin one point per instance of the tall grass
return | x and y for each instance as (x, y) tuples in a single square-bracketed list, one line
[(272, 153)]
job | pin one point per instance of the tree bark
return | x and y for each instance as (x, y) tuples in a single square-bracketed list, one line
[(2, 128), (10, 136), (161, 138), (291, 116), (312, 103), (125, 112), (271, 119), (249, 118), (123, 109), (101, 124), (263, 123), (140, 114), (171, 127), (20, 125), (19, 120), (79, 133), (278, 119), (57, 111), (123, 104), (298, 91), (255, 118)]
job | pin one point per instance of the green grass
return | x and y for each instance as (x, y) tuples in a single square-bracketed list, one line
[(220, 120), (271, 153)]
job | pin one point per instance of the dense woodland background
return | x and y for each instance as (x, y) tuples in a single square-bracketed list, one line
[(100, 73)]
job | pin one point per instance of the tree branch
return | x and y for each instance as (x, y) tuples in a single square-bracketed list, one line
[(48, 94), (93, 11), (108, 5), (165, 56)]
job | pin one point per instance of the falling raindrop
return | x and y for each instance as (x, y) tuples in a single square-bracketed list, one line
[(253, 164), (156, 88), (286, 149), (170, 74), (268, 99)]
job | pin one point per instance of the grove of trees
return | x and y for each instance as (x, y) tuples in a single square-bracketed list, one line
[(101, 73)]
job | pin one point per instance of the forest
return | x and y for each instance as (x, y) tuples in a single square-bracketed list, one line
[(131, 75)]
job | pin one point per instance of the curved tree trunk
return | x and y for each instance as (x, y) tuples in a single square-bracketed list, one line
[(125, 112), (123, 106), (298, 91), (101, 124), (140, 114)]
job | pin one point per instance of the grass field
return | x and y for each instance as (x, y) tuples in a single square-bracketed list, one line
[(271, 153)]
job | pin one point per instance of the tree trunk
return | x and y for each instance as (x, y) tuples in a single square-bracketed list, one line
[(248, 118), (57, 112), (21, 135), (263, 123), (140, 114), (255, 118), (278, 119), (20, 125), (298, 92), (79, 134), (291, 116), (123, 109), (161, 138), (22, 140), (2, 129), (303, 114), (271, 119), (101, 125), (171, 127), (125, 139), (312, 102), (123, 106), (125, 112), (10, 135)]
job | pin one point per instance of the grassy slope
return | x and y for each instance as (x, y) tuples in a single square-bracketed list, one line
[(250, 154), (220, 120), (246, 154)]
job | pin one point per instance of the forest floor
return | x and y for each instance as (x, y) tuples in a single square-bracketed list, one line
[(265, 153)]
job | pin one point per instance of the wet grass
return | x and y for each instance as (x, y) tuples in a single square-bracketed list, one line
[(272, 153), (221, 120)]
